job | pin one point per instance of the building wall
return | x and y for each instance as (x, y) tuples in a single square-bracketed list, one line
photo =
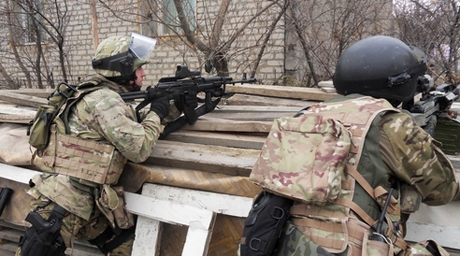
[(328, 28), (81, 38)]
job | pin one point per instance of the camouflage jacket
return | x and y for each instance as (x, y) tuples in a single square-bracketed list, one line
[(104, 117), (396, 153), (406, 153)]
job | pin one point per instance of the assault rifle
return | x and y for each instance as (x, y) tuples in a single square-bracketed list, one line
[(186, 82), (437, 101), (433, 101)]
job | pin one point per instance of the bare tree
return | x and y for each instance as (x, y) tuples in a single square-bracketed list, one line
[(433, 27), (31, 24), (215, 37), (10, 24), (325, 28)]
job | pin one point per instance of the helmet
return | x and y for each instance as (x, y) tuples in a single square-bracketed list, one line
[(380, 66), (120, 56)]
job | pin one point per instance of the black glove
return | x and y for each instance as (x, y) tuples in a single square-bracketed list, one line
[(188, 99), (160, 107)]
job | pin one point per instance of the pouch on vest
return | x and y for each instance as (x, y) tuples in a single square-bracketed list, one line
[(303, 158), (264, 224), (39, 128)]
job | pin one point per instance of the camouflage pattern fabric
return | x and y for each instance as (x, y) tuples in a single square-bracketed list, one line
[(294, 243), (303, 158), (395, 148), (420, 249), (104, 117), (414, 158), (82, 159)]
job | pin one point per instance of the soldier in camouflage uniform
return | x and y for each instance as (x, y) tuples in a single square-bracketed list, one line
[(397, 156), (81, 168)]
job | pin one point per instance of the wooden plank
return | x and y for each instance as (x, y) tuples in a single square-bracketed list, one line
[(41, 93), (440, 223), (17, 174), (221, 125), (218, 139), (251, 117), (196, 242), (455, 159), (220, 203), (20, 99), (238, 206), (135, 175), (148, 233), (14, 114), (207, 158), (5, 118), (446, 236), (282, 91), (256, 109), (200, 221), (245, 99), (17, 110), (169, 212), (252, 113)]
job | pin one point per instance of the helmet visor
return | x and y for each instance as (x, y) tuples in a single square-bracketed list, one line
[(142, 46)]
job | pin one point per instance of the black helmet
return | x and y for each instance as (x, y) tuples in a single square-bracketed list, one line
[(380, 66)]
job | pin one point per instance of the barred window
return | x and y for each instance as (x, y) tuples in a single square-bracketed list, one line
[(164, 19)]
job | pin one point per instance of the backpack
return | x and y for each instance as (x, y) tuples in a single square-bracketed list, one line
[(38, 128), (304, 158), (59, 102)]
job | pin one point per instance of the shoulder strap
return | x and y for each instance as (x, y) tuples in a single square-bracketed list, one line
[(83, 89)]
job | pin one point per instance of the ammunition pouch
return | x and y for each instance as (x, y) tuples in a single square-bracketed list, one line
[(82, 159), (44, 238), (264, 224)]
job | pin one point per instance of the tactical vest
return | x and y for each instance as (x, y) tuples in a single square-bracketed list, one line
[(344, 224), (79, 158)]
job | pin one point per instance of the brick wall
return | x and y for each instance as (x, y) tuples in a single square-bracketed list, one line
[(170, 51)]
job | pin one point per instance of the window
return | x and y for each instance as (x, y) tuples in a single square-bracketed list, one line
[(28, 21), (165, 19)]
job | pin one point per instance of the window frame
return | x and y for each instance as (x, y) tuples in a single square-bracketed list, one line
[(156, 28)]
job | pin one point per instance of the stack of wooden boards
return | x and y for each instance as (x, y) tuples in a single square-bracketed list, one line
[(216, 154)]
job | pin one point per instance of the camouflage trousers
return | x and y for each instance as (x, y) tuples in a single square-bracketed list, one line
[(73, 226), (293, 242)]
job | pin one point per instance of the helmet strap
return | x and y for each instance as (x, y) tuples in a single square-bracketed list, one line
[(120, 80), (126, 81)]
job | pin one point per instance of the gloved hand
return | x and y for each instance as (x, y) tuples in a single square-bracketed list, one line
[(188, 99), (160, 107)]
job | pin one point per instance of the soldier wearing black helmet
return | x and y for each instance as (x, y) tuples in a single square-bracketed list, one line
[(400, 164)]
